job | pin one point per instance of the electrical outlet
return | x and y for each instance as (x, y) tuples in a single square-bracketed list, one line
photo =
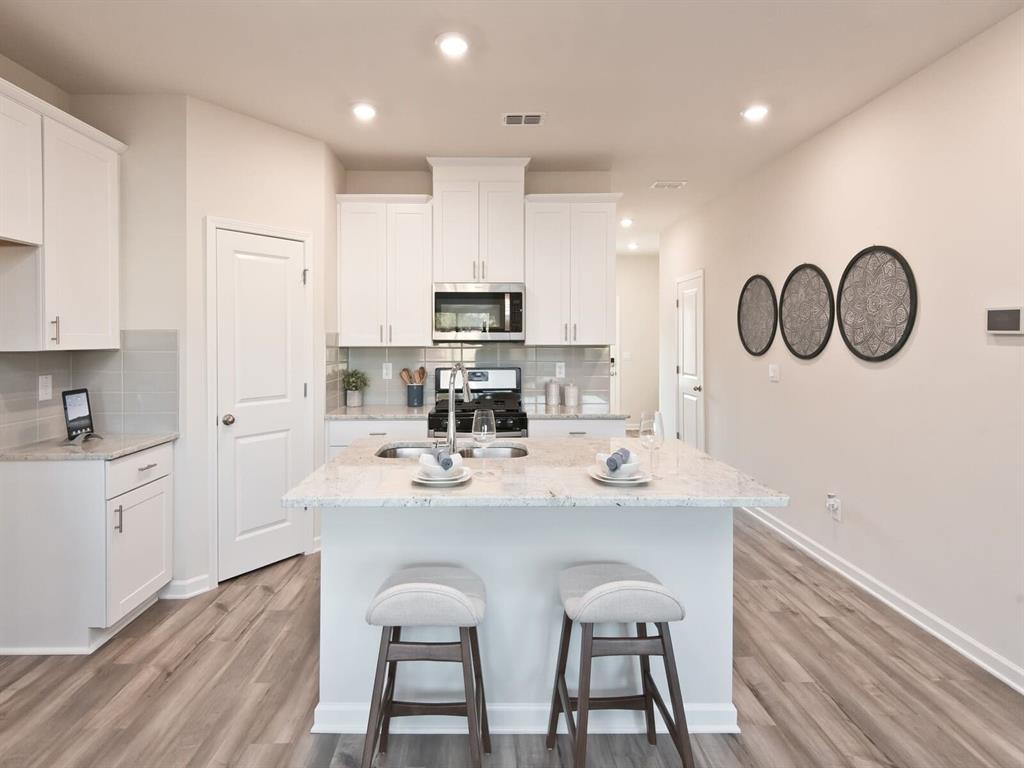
[(834, 506), (386, 372), (45, 387), (559, 370), (773, 372)]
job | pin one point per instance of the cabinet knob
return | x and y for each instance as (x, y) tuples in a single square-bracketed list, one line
[(228, 420)]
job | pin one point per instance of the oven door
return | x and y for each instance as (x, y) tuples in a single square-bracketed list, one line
[(478, 312)]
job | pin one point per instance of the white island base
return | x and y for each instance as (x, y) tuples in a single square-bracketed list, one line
[(518, 553)]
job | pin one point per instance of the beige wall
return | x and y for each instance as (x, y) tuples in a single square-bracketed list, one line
[(13, 72), (637, 360), (925, 449)]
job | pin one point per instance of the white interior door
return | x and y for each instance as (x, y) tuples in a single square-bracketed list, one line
[(690, 368), (264, 415)]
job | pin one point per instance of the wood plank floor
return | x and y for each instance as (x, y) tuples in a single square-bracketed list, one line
[(824, 676)]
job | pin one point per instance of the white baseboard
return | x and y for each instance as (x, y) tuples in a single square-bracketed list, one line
[(992, 662), (97, 637), (332, 717), (181, 589)]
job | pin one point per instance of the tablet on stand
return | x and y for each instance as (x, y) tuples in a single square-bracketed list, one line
[(78, 415)]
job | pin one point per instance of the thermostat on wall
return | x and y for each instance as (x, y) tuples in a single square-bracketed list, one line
[(1004, 320)]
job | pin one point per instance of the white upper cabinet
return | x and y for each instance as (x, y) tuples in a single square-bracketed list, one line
[(478, 219), (80, 241), (570, 269), (21, 173), (384, 270)]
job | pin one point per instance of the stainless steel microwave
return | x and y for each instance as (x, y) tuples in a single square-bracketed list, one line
[(478, 312)]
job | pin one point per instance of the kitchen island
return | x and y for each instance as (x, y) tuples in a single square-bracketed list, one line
[(517, 528)]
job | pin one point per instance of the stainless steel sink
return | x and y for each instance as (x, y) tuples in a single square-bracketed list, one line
[(497, 451), (403, 450)]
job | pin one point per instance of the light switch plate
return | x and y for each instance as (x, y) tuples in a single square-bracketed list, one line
[(45, 387), (386, 372), (559, 370), (773, 372)]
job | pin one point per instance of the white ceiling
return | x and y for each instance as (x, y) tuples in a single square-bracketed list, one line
[(645, 90)]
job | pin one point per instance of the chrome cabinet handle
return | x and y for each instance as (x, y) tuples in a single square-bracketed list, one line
[(147, 467), (382, 333), (698, 388), (378, 434), (566, 332), (56, 329), (483, 270), (574, 331), (119, 525), (474, 270), (228, 420), (389, 332), (576, 434)]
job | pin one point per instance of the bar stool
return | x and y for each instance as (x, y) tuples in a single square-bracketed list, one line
[(617, 593), (428, 596)]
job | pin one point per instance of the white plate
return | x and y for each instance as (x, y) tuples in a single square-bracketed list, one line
[(639, 479), (444, 482)]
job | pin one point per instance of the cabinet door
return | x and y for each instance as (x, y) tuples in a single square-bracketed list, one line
[(21, 173), (501, 232), (456, 231), (409, 290), (362, 274), (547, 273), (593, 274), (138, 546), (80, 235)]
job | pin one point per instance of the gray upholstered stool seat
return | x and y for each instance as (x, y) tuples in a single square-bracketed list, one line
[(615, 592), (429, 595)]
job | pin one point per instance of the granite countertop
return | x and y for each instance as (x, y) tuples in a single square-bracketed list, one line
[(403, 413), (110, 447), (552, 475), (378, 412)]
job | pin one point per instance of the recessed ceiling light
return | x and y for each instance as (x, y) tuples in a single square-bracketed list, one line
[(452, 45), (364, 111), (755, 113), (633, 246), (626, 222)]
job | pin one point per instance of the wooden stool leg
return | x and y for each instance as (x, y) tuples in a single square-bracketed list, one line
[(583, 708), (563, 656), (676, 697), (373, 724), (467, 680), (478, 671), (645, 671), (389, 694)]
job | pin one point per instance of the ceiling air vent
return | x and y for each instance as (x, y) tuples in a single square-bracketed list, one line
[(668, 185), (522, 118)]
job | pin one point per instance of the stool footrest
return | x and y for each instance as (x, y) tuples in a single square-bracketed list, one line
[(403, 651), (628, 646), (636, 701), (412, 708)]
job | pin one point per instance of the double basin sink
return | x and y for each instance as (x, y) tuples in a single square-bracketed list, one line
[(415, 450)]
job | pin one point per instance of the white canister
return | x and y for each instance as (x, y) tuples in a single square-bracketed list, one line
[(572, 395), (551, 395)]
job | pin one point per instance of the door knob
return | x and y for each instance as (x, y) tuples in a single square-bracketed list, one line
[(228, 420), (698, 388)]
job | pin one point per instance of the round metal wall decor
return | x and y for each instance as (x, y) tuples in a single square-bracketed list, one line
[(877, 303), (757, 315), (806, 311)]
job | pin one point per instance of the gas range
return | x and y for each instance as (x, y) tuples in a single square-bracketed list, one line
[(497, 389)]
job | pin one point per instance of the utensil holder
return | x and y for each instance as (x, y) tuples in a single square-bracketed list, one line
[(414, 395)]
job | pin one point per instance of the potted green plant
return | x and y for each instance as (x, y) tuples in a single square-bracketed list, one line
[(354, 381)]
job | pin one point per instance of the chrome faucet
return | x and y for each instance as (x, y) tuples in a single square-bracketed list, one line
[(466, 395)]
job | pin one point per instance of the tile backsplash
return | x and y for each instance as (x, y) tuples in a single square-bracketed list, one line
[(587, 367), (131, 389)]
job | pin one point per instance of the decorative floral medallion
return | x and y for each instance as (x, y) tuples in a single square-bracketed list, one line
[(757, 315), (877, 303), (806, 311)]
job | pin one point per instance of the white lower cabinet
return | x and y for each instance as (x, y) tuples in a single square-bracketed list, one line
[(577, 427), (341, 433), (83, 545)]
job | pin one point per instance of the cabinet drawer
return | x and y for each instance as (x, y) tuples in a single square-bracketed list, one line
[(578, 428), (342, 433), (137, 469)]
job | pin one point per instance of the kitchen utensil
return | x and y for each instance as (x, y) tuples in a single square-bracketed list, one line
[(406, 375)]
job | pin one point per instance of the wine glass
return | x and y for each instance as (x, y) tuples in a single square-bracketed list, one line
[(652, 436), (484, 432)]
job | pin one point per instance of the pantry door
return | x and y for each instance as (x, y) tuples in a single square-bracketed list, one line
[(690, 359), (264, 408)]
